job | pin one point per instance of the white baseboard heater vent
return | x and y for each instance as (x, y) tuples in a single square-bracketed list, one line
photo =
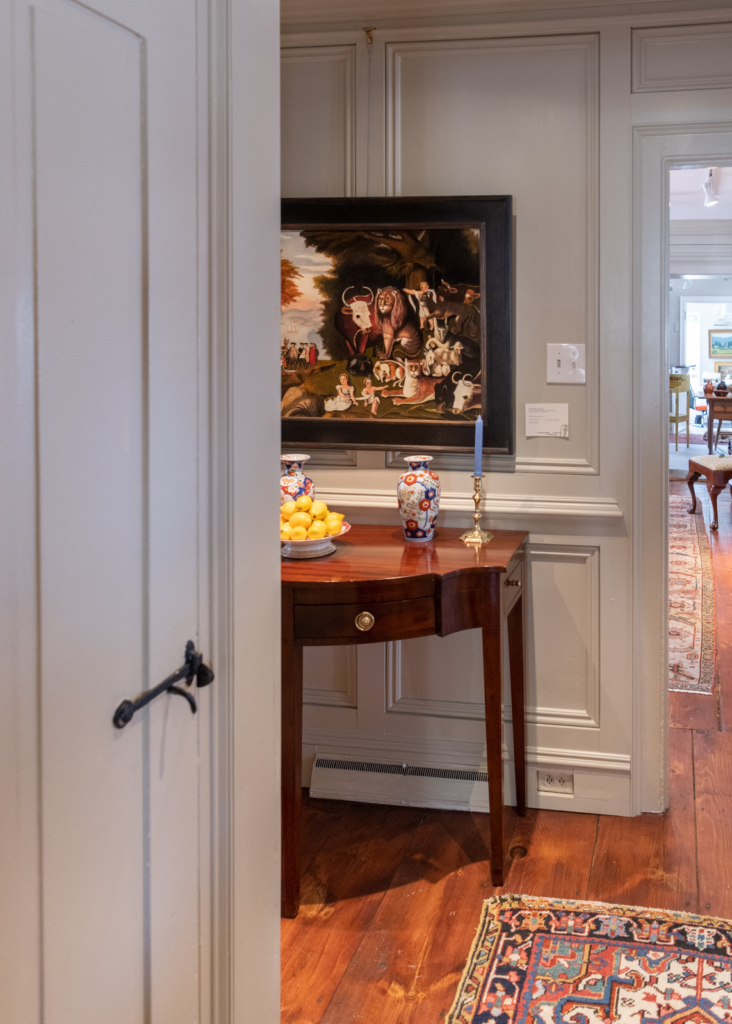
[(401, 769), (412, 785)]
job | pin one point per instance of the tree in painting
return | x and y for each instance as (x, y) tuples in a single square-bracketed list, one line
[(289, 292)]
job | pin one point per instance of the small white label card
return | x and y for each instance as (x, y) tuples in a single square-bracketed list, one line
[(547, 420)]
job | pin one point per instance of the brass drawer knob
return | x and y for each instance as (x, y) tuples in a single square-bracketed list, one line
[(513, 583), (364, 621)]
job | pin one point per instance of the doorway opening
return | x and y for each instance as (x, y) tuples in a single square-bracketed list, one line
[(698, 333)]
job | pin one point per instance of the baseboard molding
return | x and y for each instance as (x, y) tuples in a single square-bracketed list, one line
[(601, 780), (528, 506)]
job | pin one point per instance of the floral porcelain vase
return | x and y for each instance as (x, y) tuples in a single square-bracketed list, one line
[(418, 493), (293, 482)]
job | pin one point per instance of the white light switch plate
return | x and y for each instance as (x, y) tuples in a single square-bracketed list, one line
[(565, 364)]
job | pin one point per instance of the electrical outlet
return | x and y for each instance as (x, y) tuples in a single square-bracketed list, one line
[(555, 782)]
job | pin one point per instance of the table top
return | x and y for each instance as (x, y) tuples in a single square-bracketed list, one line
[(380, 552)]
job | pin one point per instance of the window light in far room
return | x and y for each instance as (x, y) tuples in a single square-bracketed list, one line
[(708, 189)]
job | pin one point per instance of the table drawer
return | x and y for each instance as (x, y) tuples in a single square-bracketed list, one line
[(367, 622), (512, 585)]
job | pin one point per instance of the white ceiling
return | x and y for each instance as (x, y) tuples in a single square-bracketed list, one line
[(687, 198)]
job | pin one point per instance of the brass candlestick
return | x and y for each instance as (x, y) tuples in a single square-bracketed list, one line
[(476, 535)]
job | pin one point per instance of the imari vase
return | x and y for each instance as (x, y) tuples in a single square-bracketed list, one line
[(418, 493), (293, 482)]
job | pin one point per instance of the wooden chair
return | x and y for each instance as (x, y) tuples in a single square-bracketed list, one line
[(678, 384)]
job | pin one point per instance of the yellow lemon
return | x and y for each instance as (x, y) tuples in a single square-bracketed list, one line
[(318, 510), (299, 533), (317, 530), (304, 502), (333, 526), (286, 532), (303, 519), (339, 515), (287, 509)]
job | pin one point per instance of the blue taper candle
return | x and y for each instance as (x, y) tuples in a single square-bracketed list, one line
[(479, 446)]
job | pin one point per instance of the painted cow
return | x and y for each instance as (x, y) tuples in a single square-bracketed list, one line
[(358, 323), (467, 393)]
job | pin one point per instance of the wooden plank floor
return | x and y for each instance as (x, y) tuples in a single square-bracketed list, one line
[(392, 896)]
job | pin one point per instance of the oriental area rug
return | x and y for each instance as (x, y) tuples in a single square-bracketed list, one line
[(549, 961), (690, 600)]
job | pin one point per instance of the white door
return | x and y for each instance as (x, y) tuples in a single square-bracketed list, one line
[(106, 387)]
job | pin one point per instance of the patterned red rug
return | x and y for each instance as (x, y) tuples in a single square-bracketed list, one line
[(546, 961), (695, 437), (690, 600)]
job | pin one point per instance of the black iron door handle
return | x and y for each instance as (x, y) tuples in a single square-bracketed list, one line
[(192, 667)]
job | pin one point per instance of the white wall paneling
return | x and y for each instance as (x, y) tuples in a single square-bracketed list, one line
[(330, 676), (320, 136), (521, 506), (563, 651), (534, 109), (495, 101), (680, 57)]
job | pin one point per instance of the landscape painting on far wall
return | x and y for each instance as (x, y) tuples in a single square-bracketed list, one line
[(395, 323), (720, 344)]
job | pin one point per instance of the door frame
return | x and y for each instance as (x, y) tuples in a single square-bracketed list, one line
[(244, 147), (657, 149)]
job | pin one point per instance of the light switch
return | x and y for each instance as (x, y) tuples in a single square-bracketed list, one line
[(565, 364)]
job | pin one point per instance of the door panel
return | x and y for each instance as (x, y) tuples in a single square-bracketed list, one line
[(90, 352), (116, 227)]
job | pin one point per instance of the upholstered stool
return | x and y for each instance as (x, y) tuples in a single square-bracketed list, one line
[(717, 473)]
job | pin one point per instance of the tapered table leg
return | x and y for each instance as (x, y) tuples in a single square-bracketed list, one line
[(691, 480), (516, 662), (291, 765), (492, 657)]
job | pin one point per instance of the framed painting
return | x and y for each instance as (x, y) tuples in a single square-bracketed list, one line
[(723, 369), (720, 344), (396, 326)]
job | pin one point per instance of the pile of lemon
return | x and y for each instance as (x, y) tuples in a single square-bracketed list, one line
[(305, 519)]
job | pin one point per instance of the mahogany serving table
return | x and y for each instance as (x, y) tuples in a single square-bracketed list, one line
[(378, 587)]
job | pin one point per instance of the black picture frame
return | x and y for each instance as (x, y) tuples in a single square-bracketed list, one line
[(492, 217)]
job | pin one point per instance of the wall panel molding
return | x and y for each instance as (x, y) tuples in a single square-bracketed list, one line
[(680, 57), (588, 558), (345, 55), (406, 69), (585, 717), (338, 696), (514, 505), (473, 710)]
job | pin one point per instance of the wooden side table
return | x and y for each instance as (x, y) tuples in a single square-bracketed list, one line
[(718, 408), (377, 587), (717, 473)]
